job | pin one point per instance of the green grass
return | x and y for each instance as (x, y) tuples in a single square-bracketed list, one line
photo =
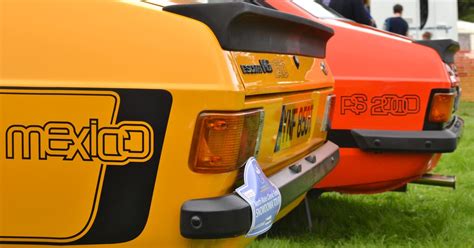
[(423, 217)]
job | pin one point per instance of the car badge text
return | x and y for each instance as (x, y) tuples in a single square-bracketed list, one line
[(388, 104), (296, 61), (324, 68), (112, 144), (263, 67)]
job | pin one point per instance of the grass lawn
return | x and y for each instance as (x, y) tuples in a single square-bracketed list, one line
[(423, 217)]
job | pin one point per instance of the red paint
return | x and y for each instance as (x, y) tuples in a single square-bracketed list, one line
[(368, 61)]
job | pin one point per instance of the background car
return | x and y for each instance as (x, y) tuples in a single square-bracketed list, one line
[(129, 123), (395, 99)]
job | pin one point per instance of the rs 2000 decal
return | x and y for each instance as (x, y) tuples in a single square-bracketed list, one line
[(383, 105)]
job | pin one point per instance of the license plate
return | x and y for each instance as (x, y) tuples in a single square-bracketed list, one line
[(295, 124)]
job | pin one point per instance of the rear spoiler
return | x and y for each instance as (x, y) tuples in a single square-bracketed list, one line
[(445, 48), (241, 26)]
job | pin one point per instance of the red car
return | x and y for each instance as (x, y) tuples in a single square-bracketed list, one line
[(395, 102)]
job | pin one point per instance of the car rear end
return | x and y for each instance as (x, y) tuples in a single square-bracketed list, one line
[(406, 122), (394, 104), (130, 123)]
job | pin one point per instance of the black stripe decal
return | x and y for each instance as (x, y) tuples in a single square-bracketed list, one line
[(127, 190)]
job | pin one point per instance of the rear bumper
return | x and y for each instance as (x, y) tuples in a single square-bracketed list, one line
[(230, 215), (432, 141)]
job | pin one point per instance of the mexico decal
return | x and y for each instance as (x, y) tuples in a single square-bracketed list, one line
[(78, 166), (114, 144)]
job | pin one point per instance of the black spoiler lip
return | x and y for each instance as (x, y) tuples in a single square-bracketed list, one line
[(241, 26), (446, 48)]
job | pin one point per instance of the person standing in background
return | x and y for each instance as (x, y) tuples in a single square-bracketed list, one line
[(427, 35), (350, 9), (396, 24), (367, 8)]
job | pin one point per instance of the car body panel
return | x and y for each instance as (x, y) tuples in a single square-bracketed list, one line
[(292, 73), (383, 82), (393, 170), (120, 54)]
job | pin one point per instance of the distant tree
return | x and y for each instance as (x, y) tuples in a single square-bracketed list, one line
[(466, 10)]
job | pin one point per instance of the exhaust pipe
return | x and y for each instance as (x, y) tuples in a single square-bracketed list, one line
[(437, 180)]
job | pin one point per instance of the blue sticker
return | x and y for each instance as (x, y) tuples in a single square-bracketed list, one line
[(262, 195)]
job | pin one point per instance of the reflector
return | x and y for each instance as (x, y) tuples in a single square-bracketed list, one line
[(224, 141)]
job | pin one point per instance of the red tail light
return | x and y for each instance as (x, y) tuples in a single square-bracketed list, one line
[(453, 75)]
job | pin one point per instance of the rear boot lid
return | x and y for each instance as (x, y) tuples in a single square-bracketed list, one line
[(272, 52), (279, 59)]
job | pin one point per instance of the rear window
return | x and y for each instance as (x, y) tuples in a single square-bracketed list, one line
[(172, 2), (316, 9), (313, 8), (203, 1)]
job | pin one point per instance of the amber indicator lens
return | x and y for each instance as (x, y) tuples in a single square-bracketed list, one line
[(442, 107), (224, 141)]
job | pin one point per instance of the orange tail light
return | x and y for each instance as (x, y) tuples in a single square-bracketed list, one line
[(224, 141), (442, 107)]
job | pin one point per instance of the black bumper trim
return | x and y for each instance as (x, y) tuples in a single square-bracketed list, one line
[(230, 215), (433, 141), (219, 217)]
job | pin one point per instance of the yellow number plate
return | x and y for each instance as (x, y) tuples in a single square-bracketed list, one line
[(295, 124)]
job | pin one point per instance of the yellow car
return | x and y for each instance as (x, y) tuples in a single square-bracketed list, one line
[(148, 124)]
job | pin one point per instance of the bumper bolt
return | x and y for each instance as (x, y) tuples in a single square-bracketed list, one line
[(296, 168), (196, 222), (311, 159), (428, 144)]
